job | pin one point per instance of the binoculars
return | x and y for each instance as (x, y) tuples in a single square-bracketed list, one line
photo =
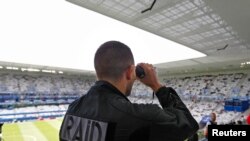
[(140, 73)]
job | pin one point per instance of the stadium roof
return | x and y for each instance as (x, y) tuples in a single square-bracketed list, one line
[(59, 34), (217, 28)]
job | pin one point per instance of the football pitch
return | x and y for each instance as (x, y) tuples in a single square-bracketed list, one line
[(46, 130)]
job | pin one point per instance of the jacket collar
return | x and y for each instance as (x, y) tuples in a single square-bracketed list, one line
[(111, 87)]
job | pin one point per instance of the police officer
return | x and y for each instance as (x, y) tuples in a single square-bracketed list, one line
[(106, 104)]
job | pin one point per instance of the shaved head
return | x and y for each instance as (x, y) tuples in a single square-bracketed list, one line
[(111, 60)]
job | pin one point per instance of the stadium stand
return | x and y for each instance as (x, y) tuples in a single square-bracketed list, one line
[(30, 96), (37, 89)]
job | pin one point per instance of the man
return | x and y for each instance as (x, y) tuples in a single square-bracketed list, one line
[(212, 121), (107, 102)]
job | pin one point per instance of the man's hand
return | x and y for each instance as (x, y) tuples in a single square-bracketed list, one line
[(150, 78)]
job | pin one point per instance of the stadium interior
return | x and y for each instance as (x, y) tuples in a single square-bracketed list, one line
[(219, 82)]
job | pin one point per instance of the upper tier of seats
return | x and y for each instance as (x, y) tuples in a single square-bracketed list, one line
[(51, 89)]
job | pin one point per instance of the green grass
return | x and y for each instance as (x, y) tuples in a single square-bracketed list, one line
[(47, 130), (12, 133)]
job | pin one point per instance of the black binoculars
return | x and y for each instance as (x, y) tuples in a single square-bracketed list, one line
[(140, 73)]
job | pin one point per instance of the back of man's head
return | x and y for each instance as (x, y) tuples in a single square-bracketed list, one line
[(111, 59)]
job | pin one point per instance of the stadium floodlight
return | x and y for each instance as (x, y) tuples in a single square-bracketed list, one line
[(31, 69), (49, 71), (12, 68), (60, 72), (23, 69), (245, 64)]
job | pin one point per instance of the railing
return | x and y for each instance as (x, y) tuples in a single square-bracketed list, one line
[(26, 116)]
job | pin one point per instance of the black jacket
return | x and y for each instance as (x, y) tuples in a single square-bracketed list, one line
[(129, 121)]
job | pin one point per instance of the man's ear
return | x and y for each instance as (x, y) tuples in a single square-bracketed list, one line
[(129, 72)]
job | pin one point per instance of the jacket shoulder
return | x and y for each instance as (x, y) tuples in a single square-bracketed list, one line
[(141, 111)]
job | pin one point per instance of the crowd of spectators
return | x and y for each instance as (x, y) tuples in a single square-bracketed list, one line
[(202, 94)]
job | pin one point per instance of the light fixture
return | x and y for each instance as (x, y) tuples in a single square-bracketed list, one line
[(60, 72), (48, 71), (30, 69), (245, 64), (12, 68)]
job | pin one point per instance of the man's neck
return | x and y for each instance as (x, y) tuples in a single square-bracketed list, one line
[(118, 84)]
